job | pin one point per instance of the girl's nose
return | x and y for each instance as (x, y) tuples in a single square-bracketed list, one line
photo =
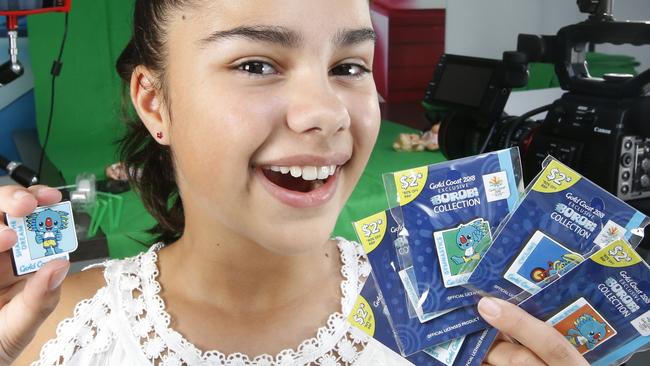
[(315, 107)]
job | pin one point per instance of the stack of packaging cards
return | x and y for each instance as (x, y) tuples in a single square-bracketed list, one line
[(463, 229), (602, 307), (562, 219), (458, 338), (370, 316), (448, 213)]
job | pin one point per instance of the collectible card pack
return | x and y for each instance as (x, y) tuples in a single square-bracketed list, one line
[(450, 212), (562, 219), (381, 238), (602, 306), (46, 234), (369, 315)]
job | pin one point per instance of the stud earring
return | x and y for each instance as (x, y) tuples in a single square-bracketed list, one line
[(159, 135)]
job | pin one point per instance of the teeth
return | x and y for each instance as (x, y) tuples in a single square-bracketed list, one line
[(323, 172), (296, 171), (309, 173)]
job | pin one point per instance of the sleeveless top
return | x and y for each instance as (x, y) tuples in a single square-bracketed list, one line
[(125, 323)]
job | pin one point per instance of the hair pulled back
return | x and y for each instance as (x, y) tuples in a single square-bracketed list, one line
[(150, 165)]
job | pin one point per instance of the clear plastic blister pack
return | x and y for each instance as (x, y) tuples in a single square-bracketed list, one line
[(562, 219), (602, 306), (370, 315), (384, 242), (447, 214)]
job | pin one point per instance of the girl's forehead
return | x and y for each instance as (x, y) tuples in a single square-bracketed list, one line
[(306, 17)]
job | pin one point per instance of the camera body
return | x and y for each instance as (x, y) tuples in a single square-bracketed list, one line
[(600, 137), (598, 126)]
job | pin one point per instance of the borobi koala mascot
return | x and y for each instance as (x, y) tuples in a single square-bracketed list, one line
[(48, 225)]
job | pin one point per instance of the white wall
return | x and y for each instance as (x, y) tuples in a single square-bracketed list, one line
[(486, 28)]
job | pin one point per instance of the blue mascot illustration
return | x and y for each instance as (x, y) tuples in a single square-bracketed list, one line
[(48, 225), (468, 237), (588, 332)]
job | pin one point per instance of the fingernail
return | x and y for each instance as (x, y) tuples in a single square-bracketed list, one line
[(57, 278), (18, 195), (489, 307), (44, 190)]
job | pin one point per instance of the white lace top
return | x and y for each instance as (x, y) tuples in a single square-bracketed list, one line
[(125, 323)]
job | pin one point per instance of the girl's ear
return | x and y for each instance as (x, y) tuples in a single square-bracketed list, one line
[(147, 99)]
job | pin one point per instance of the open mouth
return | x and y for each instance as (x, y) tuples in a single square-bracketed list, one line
[(302, 179)]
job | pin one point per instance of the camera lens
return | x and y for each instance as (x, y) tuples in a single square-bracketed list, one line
[(625, 189), (626, 160), (645, 181)]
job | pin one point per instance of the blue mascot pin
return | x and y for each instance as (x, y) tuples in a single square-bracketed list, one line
[(48, 225)]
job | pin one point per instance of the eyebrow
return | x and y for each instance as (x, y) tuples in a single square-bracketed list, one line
[(286, 37)]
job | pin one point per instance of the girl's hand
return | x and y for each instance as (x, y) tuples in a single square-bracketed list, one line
[(541, 344), (25, 301)]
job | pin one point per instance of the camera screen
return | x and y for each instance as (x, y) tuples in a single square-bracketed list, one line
[(463, 84)]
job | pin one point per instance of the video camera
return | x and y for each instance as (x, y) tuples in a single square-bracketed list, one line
[(597, 127)]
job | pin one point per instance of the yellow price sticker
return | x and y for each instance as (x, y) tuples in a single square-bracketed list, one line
[(371, 231), (362, 316), (556, 177), (410, 183), (617, 254)]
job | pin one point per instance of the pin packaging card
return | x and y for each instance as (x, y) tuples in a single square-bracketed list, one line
[(369, 315), (381, 238), (450, 212), (601, 306), (46, 234), (562, 219)]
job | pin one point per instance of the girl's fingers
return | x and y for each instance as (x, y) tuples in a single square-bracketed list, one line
[(45, 195), (17, 201), (8, 238), (26, 311), (506, 353), (540, 338)]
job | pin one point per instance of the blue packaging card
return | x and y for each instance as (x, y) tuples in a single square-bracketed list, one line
[(602, 306), (450, 211), (369, 315), (378, 235), (562, 219)]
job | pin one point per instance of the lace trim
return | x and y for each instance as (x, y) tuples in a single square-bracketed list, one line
[(135, 280)]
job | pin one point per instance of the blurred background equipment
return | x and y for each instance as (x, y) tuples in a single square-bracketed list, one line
[(13, 69), (597, 126)]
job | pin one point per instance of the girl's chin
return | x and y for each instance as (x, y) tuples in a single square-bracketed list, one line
[(303, 240)]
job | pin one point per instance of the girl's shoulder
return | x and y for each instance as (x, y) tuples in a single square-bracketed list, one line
[(80, 290), (76, 288)]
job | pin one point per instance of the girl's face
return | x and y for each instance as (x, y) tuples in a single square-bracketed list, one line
[(274, 113)]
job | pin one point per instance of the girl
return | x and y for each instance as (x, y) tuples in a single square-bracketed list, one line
[(256, 119)]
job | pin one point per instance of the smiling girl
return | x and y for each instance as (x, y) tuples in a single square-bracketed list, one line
[(256, 119)]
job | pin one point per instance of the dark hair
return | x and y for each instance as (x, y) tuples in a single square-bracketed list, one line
[(150, 165)]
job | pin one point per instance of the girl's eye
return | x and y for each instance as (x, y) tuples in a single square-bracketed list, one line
[(350, 70), (257, 68)]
